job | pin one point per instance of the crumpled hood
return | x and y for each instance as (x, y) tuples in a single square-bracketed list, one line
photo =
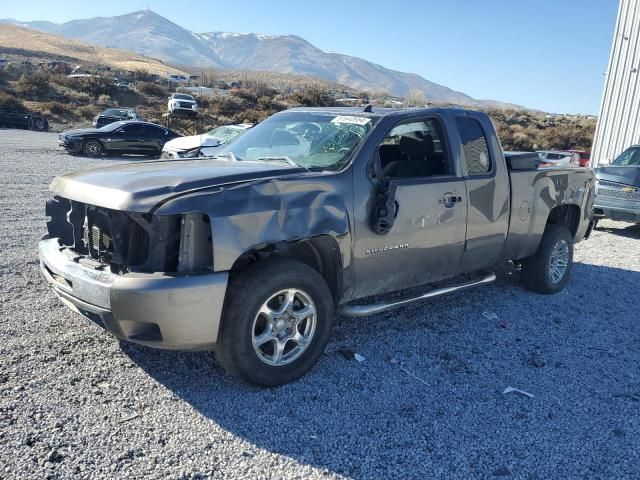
[(626, 175), (181, 144), (138, 187)]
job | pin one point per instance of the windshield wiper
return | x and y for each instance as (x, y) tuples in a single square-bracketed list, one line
[(230, 155), (282, 158)]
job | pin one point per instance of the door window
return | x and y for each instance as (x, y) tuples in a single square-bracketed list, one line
[(414, 149), (132, 129), (153, 132), (474, 145)]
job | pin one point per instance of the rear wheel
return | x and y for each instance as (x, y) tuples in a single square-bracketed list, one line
[(92, 148), (277, 320), (549, 269)]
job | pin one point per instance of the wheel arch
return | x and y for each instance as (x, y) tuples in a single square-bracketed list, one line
[(321, 253), (567, 215)]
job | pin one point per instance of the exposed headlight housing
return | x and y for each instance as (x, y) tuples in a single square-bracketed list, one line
[(195, 253), (191, 153)]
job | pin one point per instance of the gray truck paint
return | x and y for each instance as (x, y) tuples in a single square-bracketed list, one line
[(255, 207), (185, 308)]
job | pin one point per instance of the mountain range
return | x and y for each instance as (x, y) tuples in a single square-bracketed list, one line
[(147, 33)]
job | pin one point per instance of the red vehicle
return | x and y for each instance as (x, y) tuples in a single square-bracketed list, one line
[(585, 157)]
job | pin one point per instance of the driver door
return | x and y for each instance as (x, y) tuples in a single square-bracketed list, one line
[(425, 242), (127, 139)]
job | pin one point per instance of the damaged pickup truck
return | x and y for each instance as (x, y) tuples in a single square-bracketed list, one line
[(312, 213)]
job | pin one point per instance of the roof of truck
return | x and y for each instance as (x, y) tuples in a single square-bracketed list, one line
[(374, 112)]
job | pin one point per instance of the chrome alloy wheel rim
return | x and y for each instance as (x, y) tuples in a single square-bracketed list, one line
[(92, 148), (284, 327), (559, 261)]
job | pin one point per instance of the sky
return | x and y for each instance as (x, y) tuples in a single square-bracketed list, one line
[(550, 55)]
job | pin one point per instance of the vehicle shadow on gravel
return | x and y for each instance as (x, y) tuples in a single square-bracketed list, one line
[(629, 231), (455, 359), (119, 158)]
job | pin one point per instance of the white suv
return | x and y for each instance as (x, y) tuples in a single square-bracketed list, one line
[(181, 103)]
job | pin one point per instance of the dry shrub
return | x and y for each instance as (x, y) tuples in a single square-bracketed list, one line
[(247, 94), (105, 100), (526, 130), (92, 86), (34, 86), (203, 102), (312, 96), (54, 108), (11, 103), (250, 116), (87, 111), (227, 105), (151, 89), (265, 102)]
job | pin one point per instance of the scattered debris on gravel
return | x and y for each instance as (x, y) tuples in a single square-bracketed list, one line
[(76, 403)]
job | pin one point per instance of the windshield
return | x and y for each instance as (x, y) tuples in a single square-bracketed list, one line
[(116, 112), (629, 158), (180, 96), (305, 139), (112, 126), (225, 134)]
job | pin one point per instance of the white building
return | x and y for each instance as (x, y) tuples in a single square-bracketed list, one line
[(619, 120)]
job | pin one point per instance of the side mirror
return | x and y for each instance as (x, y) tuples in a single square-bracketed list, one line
[(603, 163), (385, 207)]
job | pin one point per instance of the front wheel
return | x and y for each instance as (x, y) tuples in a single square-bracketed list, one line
[(277, 320), (549, 269), (92, 148)]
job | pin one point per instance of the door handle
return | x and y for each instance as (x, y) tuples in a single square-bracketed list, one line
[(450, 200)]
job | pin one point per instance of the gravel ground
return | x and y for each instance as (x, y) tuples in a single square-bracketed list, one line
[(427, 401)]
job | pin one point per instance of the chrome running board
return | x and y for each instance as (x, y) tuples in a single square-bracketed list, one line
[(349, 310)]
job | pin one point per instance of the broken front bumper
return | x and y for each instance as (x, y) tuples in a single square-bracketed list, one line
[(178, 312)]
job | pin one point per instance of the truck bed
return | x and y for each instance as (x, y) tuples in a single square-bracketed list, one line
[(534, 192)]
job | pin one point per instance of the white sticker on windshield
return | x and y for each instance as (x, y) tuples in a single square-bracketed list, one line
[(351, 119)]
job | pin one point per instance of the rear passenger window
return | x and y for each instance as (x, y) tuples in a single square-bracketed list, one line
[(153, 132), (474, 145)]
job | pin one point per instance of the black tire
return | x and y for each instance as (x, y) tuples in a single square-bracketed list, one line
[(92, 148), (246, 295), (537, 271)]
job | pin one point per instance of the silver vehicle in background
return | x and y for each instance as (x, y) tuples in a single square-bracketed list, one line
[(557, 158), (618, 187)]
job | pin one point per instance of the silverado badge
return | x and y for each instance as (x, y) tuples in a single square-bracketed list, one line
[(386, 248)]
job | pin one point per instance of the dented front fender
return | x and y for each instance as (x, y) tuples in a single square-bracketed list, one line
[(247, 216)]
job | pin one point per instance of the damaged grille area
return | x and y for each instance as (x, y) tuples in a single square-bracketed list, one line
[(121, 240)]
